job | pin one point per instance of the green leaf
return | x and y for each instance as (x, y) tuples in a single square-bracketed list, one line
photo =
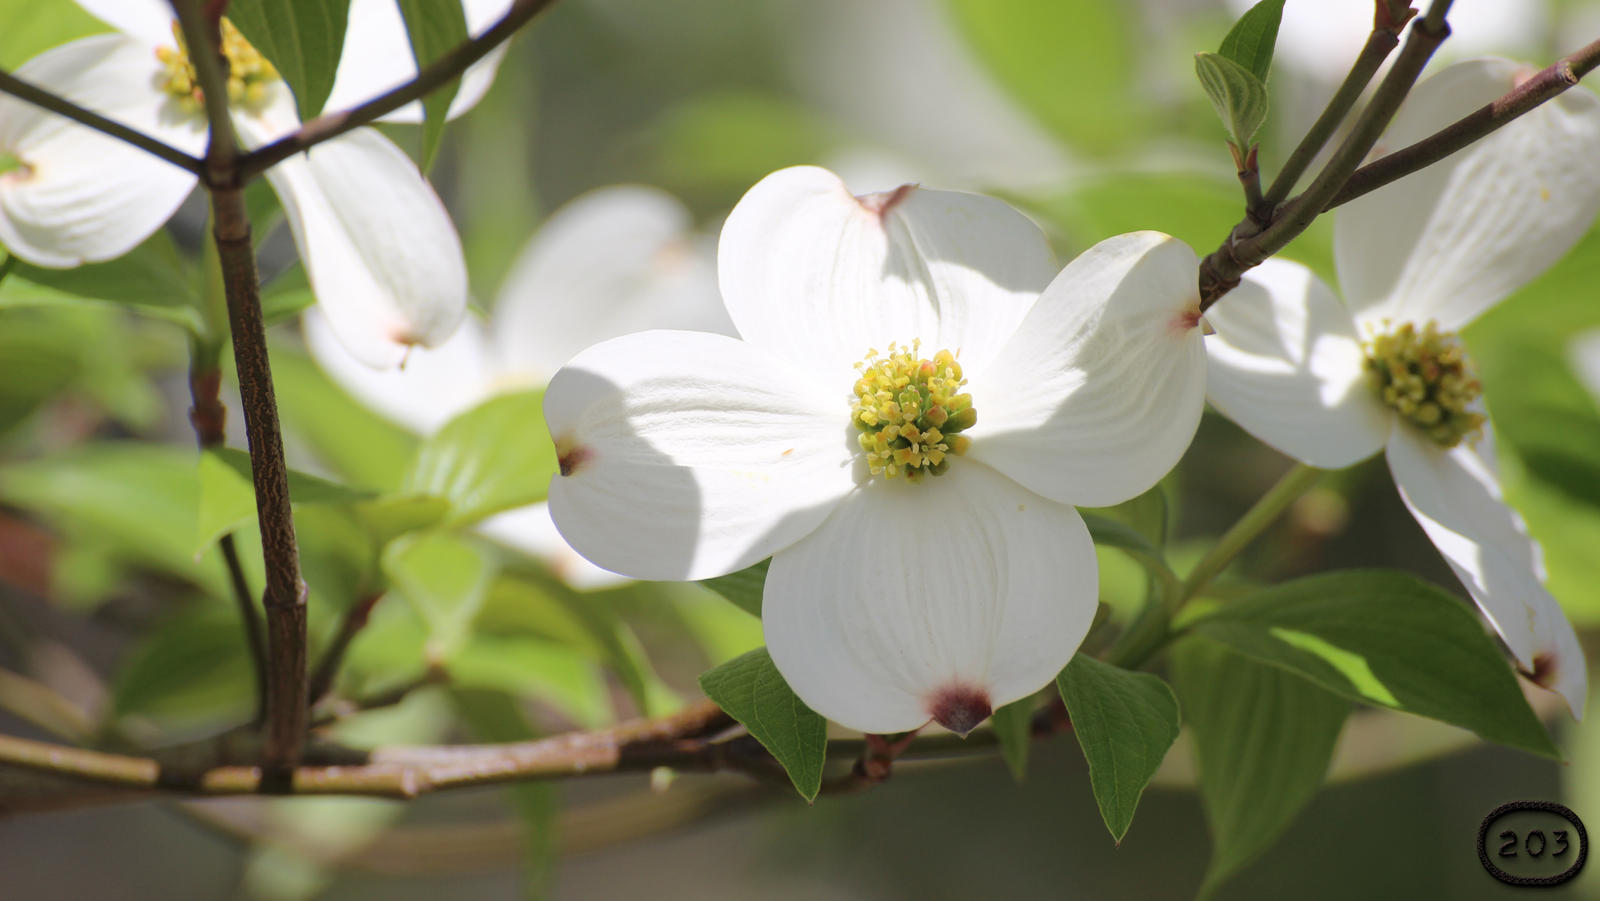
[(1386, 639), (191, 672), (1239, 97), (1013, 729), (1068, 61), (1250, 42), (493, 457), (721, 142), (744, 587), (1146, 514), (150, 279), (227, 493), (445, 579), (1263, 738), (303, 39), (752, 691), (28, 28), (530, 668), (1125, 722), (435, 29), (364, 448)]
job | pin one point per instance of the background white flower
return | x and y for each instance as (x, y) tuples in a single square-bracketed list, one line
[(888, 603), (612, 261), (1435, 249), (378, 246)]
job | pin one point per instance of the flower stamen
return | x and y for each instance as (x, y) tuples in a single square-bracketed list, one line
[(249, 73), (1428, 379), (909, 412)]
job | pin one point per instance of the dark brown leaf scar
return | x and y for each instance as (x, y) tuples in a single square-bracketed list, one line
[(960, 708), (885, 201)]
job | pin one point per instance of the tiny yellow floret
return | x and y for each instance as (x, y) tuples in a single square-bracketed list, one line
[(1427, 378), (909, 411), (249, 73)]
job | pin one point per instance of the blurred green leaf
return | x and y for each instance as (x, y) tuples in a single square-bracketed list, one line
[(1013, 729), (744, 587), (536, 670), (1250, 42), (1239, 97), (723, 631), (303, 40), (1541, 411), (28, 28), (435, 29), (752, 691), (1568, 530), (1387, 639), (1146, 514), (191, 672), (365, 449), (493, 717), (1071, 62), (40, 357), (493, 457), (445, 578), (151, 279), (722, 142), (1263, 739), (1125, 722)]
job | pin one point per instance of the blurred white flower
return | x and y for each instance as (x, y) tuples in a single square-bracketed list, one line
[(380, 251), (613, 261), (903, 429), (1331, 384)]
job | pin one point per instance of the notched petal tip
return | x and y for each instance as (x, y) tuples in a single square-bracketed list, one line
[(960, 708), (1187, 319), (1545, 667), (571, 456), (884, 202)]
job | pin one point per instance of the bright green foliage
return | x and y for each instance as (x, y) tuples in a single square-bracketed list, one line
[(1239, 97), (1250, 42), (302, 38), (493, 457), (752, 691), (150, 279), (192, 672), (1013, 729), (436, 27), (445, 579), (1125, 722), (365, 449), (28, 28), (743, 587), (1387, 639), (1263, 738)]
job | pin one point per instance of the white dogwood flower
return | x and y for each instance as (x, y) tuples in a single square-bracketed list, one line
[(1331, 383), (903, 429), (613, 261), (381, 253)]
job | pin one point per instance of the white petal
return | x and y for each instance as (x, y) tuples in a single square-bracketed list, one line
[(380, 250), (690, 455), (1286, 364), (432, 388), (615, 260), (531, 531), (810, 272), (1584, 353), (148, 20), (377, 58), (939, 600), (1457, 500), (1449, 242), (1099, 392), (84, 196)]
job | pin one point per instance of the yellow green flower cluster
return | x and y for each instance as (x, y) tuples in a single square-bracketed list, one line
[(909, 412)]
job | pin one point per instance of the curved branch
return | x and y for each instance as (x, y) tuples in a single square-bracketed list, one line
[(22, 90)]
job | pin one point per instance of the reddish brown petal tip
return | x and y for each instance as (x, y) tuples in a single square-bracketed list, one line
[(960, 708), (571, 457), (1544, 669), (883, 202)]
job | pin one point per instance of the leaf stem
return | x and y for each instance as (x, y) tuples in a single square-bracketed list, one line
[(1263, 513), (22, 90)]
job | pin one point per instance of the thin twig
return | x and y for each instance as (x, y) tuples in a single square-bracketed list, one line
[(1220, 272), (284, 599), (330, 125), (327, 669), (1542, 87), (43, 707), (22, 90)]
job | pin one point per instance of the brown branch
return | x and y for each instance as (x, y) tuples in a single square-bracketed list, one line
[(22, 90), (1244, 249), (284, 599), (355, 619), (1547, 84), (330, 125)]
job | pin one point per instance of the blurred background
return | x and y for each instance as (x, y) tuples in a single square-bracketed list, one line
[(1084, 114)]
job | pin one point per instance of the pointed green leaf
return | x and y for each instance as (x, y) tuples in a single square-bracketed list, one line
[(227, 493), (752, 691), (1263, 738), (150, 279), (303, 40), (1238, 96), (355, 442), (493, 457), (743, 587), (1387, 639), (1250, 42), (1125, 722), (435, 28), (1013, 729), (445, 579)]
